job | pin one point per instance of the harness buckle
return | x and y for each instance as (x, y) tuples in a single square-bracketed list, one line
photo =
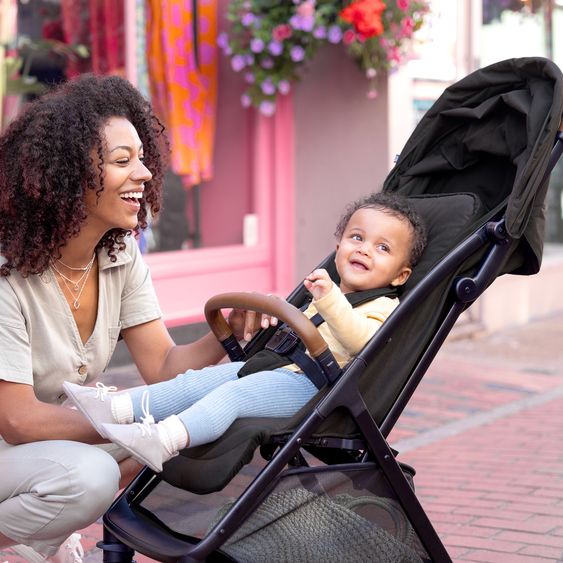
[(283, 341)]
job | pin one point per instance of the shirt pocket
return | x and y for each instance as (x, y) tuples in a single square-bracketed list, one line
[(113, 336)]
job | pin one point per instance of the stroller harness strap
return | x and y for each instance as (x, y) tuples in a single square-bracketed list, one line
[(285, 347)]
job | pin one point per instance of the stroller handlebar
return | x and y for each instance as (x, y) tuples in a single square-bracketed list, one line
[(268, 305)]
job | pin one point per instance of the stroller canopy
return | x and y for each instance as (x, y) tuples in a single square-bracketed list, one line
[(507, 112)]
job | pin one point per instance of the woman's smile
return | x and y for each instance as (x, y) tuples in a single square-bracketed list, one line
[(132, 200)]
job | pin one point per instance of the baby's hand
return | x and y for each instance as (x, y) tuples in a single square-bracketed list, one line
[(318, 283)]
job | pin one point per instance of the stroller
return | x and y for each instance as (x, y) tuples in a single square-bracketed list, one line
[(327, 486)]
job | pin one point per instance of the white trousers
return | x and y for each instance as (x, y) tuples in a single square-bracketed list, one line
[(50, 489)]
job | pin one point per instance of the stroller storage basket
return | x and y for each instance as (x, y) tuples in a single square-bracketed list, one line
[(336, 513), (331, 514)]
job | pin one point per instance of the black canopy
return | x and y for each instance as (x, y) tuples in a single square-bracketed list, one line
[(491, 133)]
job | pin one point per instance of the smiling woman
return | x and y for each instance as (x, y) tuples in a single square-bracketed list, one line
[(80, 170)]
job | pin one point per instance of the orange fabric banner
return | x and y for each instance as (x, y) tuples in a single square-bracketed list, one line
[(182, 68)]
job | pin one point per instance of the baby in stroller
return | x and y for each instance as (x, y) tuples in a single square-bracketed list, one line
[(380, 239)]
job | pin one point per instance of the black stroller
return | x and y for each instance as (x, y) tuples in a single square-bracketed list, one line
[(331, 488)]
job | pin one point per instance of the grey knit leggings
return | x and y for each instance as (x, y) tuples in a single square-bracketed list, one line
[(208, 401)]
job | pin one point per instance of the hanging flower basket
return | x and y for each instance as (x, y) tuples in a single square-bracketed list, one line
[(269, 41)]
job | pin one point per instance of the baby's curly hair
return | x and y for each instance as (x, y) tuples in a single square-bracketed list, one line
[(46, 166), (396, 205)]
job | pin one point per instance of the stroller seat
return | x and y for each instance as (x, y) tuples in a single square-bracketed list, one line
[(211, 467), (476, 169)]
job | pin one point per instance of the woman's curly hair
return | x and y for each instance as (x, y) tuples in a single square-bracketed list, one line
[(47, 164)]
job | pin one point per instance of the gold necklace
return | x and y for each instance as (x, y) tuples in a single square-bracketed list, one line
[(75, 283), (81, 269), (77, 289)]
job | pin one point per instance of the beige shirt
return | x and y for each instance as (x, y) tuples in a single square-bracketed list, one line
[(347, 329), (39, 340)]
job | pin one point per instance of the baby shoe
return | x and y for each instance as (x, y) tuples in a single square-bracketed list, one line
[(93, 402), (142, 440)]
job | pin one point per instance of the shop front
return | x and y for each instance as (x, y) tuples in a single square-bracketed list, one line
[(227, 217)]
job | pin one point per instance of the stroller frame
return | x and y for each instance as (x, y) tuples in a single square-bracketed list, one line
[(343, 394), (127, 523)]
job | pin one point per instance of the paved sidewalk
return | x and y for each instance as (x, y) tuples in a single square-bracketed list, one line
[(484, 432)]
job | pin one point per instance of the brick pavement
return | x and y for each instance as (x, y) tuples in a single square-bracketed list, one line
[(491, 480), (484, 432)]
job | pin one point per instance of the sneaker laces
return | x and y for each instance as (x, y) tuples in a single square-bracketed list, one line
[(102, 390), (147, 420), (74, 550)]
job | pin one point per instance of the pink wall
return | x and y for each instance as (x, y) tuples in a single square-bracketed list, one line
[(341, 149), (184, 280)]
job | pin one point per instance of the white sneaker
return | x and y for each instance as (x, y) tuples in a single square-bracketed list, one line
[(142, 441), (93, 402), (71, 551)]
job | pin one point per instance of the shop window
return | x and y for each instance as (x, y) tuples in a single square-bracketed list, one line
[(504, 24), (58, 39)]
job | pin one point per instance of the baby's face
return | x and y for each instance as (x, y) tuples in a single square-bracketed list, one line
[(373, 251)]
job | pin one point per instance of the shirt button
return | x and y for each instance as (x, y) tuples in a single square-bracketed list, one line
[(83, 370)]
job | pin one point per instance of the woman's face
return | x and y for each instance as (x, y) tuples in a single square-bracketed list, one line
[(124, 177)]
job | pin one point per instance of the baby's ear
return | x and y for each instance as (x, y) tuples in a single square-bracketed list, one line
[(402, 278)]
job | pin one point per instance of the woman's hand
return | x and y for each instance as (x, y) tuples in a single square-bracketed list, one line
[(245, 324), (318, 283)]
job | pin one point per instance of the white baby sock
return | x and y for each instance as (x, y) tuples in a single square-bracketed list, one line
[(172, 434), (122, 409)]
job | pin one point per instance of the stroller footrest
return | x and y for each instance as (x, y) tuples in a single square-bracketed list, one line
[(143, 534)]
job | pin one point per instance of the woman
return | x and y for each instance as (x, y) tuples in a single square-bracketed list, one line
[(80, 169)]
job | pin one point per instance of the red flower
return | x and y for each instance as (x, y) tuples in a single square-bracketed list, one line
[(348, 37), (365, 16), (281, 32)]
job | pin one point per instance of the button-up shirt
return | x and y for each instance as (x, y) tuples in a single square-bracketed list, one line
[(39, 340)]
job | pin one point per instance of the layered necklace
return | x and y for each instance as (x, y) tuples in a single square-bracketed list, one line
[(74, 287)]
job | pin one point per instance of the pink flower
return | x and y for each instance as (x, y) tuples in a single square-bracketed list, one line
[(297, 53), (306, 10), (394, 55), (245, 100), (281, 32), (348, 37), (403, 5), (284, 87), (407, 26), (371, 94), (267, 108)]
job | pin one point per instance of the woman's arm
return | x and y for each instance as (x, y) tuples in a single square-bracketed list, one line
[(23, 418)]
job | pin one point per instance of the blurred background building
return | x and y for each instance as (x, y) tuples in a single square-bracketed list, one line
[(251, 201)]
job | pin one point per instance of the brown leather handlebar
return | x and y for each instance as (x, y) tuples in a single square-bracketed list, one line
[(268, 305)]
